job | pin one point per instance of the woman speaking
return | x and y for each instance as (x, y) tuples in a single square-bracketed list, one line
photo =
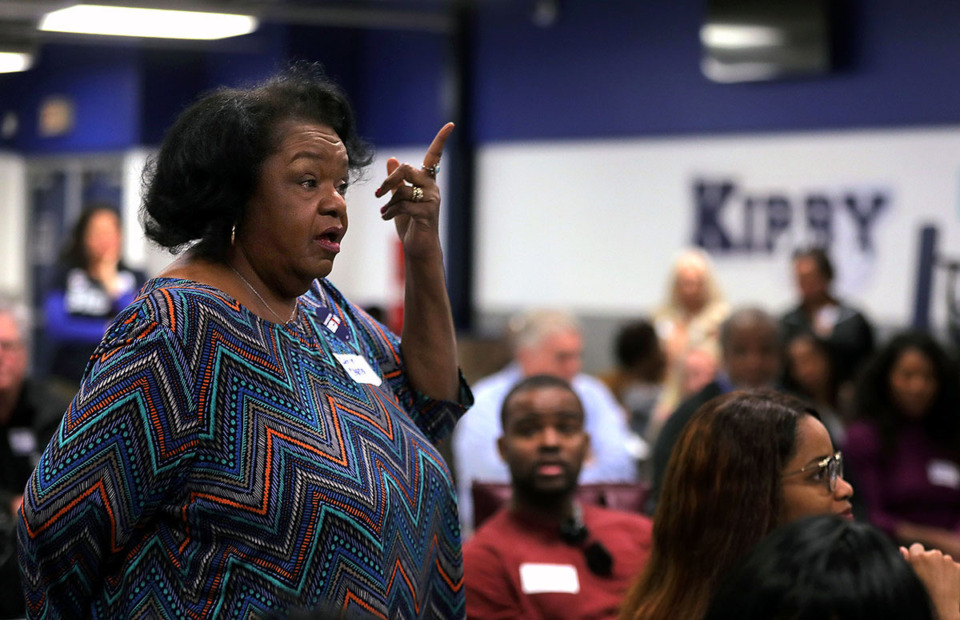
[(246, 442)]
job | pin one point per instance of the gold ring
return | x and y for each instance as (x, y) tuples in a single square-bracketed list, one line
[(417, 193), (433, 170)]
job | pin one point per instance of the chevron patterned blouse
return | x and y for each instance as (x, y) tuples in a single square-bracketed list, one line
[(214, 464)]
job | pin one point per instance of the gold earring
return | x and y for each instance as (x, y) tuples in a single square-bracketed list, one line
[(233, 234)]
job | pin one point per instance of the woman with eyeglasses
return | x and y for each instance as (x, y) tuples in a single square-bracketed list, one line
[(904, 448), (745, 463)]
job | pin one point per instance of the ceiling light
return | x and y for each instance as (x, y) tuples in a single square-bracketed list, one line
[(11, 62), (136, 22), (740, 36)]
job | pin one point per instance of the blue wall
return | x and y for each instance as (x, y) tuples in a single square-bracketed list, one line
[(617, 68), (127, 96), (633, 68), (402, 90), (103, 86)]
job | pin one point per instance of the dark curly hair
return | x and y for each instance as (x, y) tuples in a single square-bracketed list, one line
[(874, 401), (198, 185)]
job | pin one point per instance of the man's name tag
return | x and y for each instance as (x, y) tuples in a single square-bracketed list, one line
[(943, 474), (539, 578), (358, 368)]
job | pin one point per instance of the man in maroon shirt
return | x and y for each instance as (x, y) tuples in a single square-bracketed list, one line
[(545, 555)]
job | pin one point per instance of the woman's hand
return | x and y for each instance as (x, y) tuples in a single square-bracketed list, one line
[(941, 576), (415, 204), (428, 338), (945, 540)]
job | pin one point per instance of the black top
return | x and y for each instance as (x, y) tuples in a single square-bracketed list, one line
[(670, 432), (22, 439), (34, 419), (851, 340)]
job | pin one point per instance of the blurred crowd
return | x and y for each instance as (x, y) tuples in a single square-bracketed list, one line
[(884, 410), (621, 493)]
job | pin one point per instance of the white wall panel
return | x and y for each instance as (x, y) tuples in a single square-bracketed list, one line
[(593, 226), (13, 225), (365, 269)]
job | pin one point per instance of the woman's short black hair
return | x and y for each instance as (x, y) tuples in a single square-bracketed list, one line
[(198, 185), (822, 567)]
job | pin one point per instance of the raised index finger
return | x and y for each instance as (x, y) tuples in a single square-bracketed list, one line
[(435, 151)]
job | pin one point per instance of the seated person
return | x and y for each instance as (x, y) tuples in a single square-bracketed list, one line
[(90, 287), (745, 463), (637, 379), (29, 414), (904, 447), (810, 373), (545, 555), (750, 353), (545, 342), (827, 567), (699, 370)]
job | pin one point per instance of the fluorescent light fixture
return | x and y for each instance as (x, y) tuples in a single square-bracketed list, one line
[(11, 62), (737, 36), (136, 22)]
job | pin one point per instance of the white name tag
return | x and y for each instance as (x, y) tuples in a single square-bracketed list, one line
[(536, 578), (943, 474), (22, 441), (358, 368)]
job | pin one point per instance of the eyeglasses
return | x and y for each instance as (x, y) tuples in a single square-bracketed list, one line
[(8, 346), (828, 470)]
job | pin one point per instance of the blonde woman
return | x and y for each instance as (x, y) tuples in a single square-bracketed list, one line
[(688, 321)]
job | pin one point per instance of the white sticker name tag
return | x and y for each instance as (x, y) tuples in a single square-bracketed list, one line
[(538, 578), (943, 474), (358, 368), (22, 441)]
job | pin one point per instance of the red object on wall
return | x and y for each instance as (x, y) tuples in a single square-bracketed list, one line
[(395, 303)]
